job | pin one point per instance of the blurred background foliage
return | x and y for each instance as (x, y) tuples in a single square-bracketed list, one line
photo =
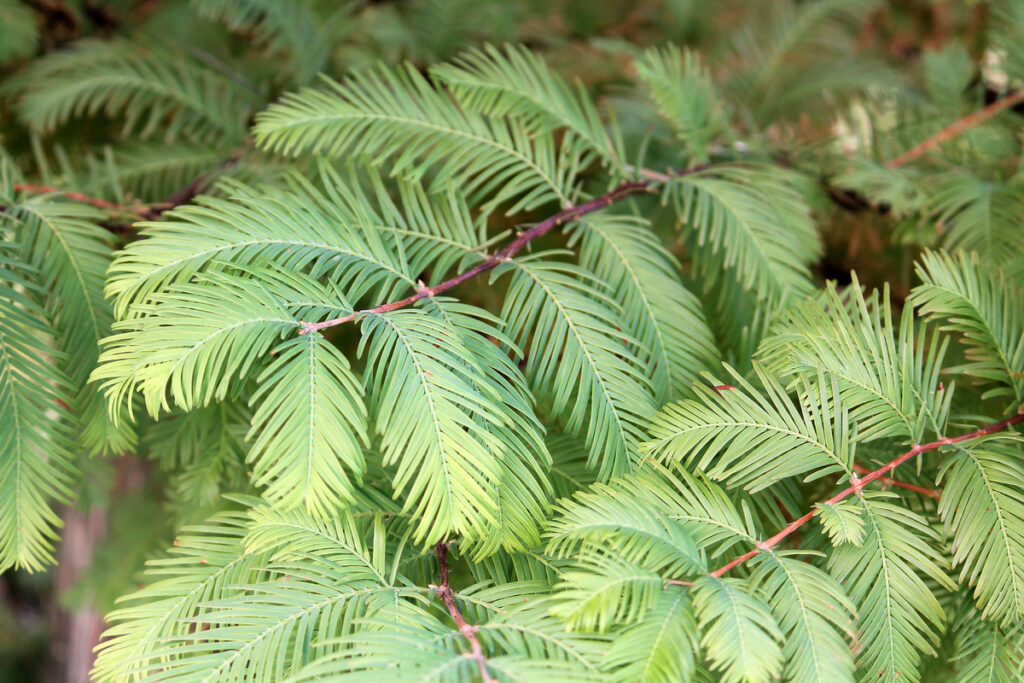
[(810, 85)]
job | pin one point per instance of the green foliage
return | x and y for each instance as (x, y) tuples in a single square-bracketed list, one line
[(524, 365)]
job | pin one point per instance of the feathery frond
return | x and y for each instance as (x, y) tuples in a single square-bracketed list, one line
[(309, 428), (581, 356), (36, 461), (151, 90), (887, 577), (753, 438), (665, 317), (984, 650), (294, 29), (461, 435), (662, 646), (398, 115), (71, 254), (193, 345), (682, 90), (842, 521), (18, 32), (741, 637), (337, 580), (515, 82), (750, 220), (888, 376), (982, 505), (813, 613), (979, 215), (986, 309)]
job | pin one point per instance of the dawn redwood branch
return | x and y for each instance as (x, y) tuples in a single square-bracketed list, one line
[(858, 484), (467, 631), (888, 481), (951, 131), (571, 213)]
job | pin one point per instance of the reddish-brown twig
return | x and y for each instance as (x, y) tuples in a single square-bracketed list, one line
[(510, 250), (951, 131), (467, 631), (78, 197), (859, 483), (889, 481)]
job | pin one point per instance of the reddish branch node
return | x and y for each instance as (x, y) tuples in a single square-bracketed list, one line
[(889, 481), (468, 631)]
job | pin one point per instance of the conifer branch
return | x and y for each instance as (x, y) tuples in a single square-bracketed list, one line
[(954, 129), (468, 631), (571, 213), (859, 483)]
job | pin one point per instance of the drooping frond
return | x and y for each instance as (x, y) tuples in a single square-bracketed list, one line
[(750, 220), (753, 438), (71, 254), (194, 344), (263, 609), (982, 505), (888, 577), (888, 377), (987, 310), (665, 317), (979, 215), (151, 90), (515, 82), (703, 511), (460, 433), (18, 32), (581, 356), (35, 448), (662, 646), (741, 637), (814, 615), (294, 230), (686, 99), (207, 561), (398, 115), (309, 427)]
